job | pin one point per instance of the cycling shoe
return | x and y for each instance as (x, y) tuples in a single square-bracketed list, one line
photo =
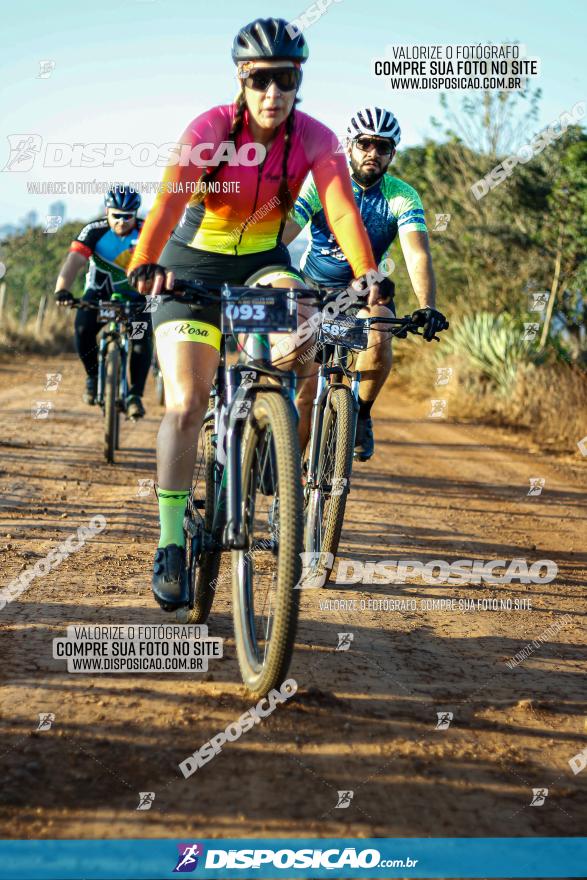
[(91, 390), (134, 407), (170, 578), (364, 440)]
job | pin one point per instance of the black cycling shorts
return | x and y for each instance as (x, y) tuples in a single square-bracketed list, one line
[(183, 322)]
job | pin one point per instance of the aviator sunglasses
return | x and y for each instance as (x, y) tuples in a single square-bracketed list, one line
[(382, 148), (285, 78)]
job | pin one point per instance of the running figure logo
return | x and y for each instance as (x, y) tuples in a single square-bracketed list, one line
[(344, 641), (315, 568), (41, 409), (46, 719), (23, 151), (188, 857), (442, 221), (344, 799), (52, 382), (46, 68), (444, 719), (146, 799), (530, 332), (443, 375), (53, 222), (536, 485), (538, 301), (138, 329), (152, 304), (437, 409)]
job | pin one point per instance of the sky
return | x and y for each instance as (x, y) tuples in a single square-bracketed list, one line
[(137, 71)]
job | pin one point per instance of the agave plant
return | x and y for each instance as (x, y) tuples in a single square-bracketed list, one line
[(492, 345)]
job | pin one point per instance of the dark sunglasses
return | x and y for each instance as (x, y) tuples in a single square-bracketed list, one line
[(382, 148), (123, 216), (285, 78)]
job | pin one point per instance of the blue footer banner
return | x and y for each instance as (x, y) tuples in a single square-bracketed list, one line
[(530, 857)]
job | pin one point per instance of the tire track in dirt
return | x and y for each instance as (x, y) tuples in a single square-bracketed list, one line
[(365, 719)]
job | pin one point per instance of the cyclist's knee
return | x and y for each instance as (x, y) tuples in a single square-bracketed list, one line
[(187, 407)]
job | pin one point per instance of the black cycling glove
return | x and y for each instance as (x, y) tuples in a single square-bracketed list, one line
[(431, 320), (146, 272), (386, 289), (363, 288), (64, 298)]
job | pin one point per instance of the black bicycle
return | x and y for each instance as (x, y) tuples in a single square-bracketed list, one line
[(250, 498), (114, 342), (332, 438)]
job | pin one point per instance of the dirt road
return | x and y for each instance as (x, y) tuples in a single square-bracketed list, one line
[(365, 719)]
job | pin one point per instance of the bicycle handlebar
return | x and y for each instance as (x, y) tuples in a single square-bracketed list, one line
[(124, 308), (193, 292)]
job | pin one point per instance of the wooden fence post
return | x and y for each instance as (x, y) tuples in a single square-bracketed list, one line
[(2, 298), (24, 309), (41, 314)]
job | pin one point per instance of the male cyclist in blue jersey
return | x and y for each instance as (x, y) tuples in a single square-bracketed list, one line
[(388, 206), (108, 245)]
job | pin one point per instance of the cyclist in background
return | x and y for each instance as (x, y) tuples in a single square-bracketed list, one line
[(388, 206), (234, 238), (107, 244)]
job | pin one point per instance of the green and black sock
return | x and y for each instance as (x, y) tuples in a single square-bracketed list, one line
[(172, 505)]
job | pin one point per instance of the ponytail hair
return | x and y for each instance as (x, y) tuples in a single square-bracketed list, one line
[(237, 124), (286, 201)]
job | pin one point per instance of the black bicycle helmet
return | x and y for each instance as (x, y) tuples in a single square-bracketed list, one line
[(124, 198), (270, 38)]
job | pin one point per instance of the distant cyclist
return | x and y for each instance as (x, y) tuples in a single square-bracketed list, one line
[(388, 206), (107, 244), (198, 232)]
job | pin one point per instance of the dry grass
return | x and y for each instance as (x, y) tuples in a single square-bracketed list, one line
[(549, 401), (552, 402), (55, 337)]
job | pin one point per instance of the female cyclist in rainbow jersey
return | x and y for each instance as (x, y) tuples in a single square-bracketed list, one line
[(224, 224)]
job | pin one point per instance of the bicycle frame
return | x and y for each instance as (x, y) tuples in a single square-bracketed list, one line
[(335, 354), (116, 332), (229, 393)]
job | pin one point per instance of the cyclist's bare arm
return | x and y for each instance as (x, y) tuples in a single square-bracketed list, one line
[(68, 272), (291, 231), (416, 251)]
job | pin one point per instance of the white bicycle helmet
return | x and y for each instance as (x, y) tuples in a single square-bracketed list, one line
[(376, 122)]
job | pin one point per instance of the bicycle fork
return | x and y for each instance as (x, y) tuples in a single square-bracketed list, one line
[(318, 408)]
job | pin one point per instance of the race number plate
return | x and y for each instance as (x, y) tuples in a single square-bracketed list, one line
[(106, 314), (271, 312), (350, 332)]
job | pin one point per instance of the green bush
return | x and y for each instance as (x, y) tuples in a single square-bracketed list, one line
[(490, 348)]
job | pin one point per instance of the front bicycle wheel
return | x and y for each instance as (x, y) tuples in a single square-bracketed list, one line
[(203, 571), (326, 502), (264, 576), (111, 413)]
